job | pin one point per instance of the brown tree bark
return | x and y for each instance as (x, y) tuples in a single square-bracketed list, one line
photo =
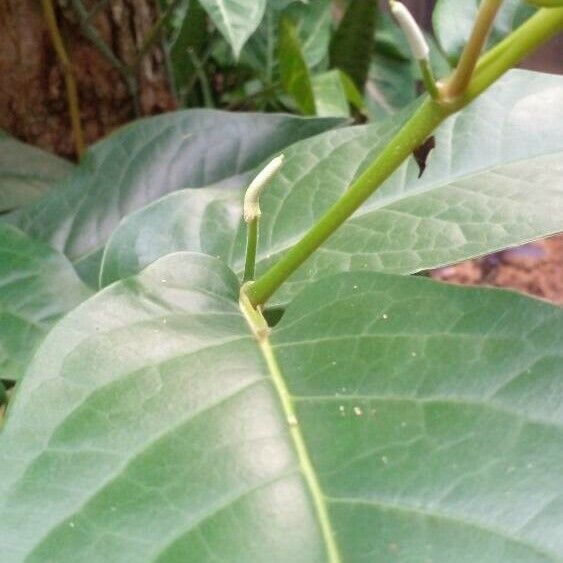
[(33, 98)]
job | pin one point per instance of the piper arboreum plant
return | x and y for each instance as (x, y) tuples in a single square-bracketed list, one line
[(160, 410)]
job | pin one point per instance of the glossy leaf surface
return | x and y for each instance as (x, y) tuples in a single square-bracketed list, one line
[(37, 287), (493, 180), (152, 426), (150, 158)]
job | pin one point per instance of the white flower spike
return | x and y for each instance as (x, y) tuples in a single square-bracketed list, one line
[(251, 209), (411, 29)]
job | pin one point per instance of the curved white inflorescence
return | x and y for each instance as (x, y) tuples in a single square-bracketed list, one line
[(251, 209), (411, 29)]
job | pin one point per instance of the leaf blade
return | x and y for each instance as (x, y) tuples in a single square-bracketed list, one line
[(235, 19), (26, 172), (440, 414), (38, 287), (150, 158), (479, 193)]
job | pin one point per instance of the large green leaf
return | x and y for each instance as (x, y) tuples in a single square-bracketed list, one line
[(493, 180), (386, 419), (150, 158), (37, 286), (235, 19), (26, 172), (453, 21)]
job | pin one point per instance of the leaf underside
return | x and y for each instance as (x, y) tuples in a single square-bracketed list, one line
[(150, 427), (493, 181)]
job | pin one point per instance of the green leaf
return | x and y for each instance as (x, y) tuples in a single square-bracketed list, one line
[(150, 158), (394, 77), (37, 287), (294, 72), (391, 86), (453, 21), (235, 19), (26, 172), (313, 25), (313, 22), (352, 43), (192, 35), (493, 181), (330, 95), (153, 426)]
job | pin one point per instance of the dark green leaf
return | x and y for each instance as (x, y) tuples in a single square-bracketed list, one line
[(493, 180), (150, 158), (388, 418), (294, 72), (192, 35), (352, 44), (26, 172), (37, 287)]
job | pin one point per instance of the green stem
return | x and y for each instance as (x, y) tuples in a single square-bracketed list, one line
[(470, 55), (538, 29), (428, 78), (251, 244)]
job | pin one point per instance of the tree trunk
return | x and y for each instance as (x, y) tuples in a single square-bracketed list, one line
[(33, 98)]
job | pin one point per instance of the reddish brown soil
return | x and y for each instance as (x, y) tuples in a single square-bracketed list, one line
[(535, 268)]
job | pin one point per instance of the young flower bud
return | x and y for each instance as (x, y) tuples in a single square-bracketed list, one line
[(413, 33), (251, 209)]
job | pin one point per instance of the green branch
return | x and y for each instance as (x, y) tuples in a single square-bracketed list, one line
[(472, 51), (538, 29)]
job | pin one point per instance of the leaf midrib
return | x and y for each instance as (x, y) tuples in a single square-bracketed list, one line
[(300, 447)]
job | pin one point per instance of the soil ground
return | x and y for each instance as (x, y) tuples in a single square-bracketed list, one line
[(535, 268)]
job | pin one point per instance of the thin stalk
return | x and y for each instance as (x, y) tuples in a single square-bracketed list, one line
[(251, 245), (70, 82), (472, 51), (199, 72), (428, 78), (535, 31)]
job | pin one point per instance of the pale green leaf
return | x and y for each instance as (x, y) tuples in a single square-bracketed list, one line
[(493, 181), (330, 95), (235, 19), (147, 159)]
